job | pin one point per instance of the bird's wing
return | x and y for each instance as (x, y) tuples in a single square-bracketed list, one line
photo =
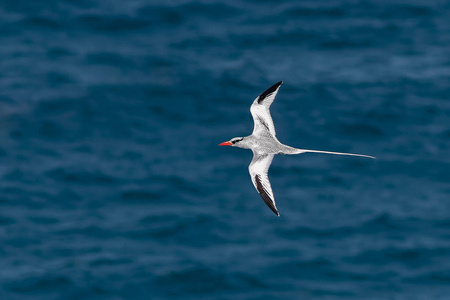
[(258, 172), (260, 110)]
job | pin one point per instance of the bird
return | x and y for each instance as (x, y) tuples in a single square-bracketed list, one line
[(265, 145)]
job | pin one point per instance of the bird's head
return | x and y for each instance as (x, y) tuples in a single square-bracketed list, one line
[(235, 142)]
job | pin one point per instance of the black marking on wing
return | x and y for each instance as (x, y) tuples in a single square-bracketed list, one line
[(269, 91), (262, 191), (261, 120)]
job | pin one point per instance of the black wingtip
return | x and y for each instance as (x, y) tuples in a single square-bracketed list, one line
[(262, 192), (269, 91)]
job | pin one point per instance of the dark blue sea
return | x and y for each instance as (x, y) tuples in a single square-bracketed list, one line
[(112, 184)]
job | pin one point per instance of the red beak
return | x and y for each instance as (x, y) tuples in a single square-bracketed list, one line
[(226, 144)]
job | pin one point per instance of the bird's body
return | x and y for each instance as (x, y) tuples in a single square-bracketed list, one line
[(265, 145)]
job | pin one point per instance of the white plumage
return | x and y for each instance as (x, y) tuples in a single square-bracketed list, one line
[(265, 145)]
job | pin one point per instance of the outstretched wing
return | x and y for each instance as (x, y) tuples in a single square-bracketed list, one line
[(260, 110), (258, 172)]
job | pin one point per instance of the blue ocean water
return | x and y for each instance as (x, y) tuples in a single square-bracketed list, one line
[(113, 187)]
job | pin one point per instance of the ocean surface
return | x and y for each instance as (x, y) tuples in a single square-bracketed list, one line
[(112, 185)]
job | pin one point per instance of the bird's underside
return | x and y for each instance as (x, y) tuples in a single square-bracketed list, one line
[(265, 145)]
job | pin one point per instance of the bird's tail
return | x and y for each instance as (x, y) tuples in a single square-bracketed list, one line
[(299, 151)]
